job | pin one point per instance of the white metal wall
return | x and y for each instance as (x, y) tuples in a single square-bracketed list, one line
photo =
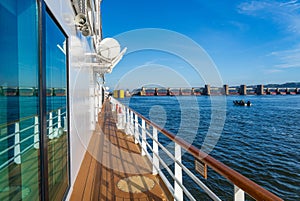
[(82, 86)]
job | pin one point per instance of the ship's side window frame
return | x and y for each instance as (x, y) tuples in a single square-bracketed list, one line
[(45, 12)]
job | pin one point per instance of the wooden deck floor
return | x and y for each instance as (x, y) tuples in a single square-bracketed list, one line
[(111, 160)]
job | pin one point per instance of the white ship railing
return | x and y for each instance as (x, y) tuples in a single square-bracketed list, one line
[(143, 129), (54, 128)]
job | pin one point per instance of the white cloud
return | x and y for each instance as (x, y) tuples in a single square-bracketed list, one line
[(286, 14), (272, 71), (239, 25), (288, 58), (252, 7)]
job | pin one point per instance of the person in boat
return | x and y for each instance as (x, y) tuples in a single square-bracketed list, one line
[(248, 103), (236, 102)]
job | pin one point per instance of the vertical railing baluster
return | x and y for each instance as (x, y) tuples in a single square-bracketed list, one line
[(36, 133), (96, 103), (178, 173), (65, 124), (136, 130), (131, 123), (239, 194), (58, 118), (50, 126), (17, 147), (155, 167), (119, 116), (56, 132), (113, 105), (100, 99), (144, 147), (127, 125), (125, 117)]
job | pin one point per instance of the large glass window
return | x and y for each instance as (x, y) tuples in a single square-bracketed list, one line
[(22, 108), (57, 131), (19, 106)]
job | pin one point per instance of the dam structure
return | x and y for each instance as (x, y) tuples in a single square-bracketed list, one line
[(209, 90)]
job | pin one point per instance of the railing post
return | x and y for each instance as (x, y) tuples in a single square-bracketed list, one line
[(58, 118), (125, 117), (239, 194), (113, 107), (120, 117), (178, 173), (144, 146), (127, 125), (136, 130), (58, 130), (50, 126), (131, 123), (36, 139), (17, 148), (96, 103), (65, 124), (155, 162)]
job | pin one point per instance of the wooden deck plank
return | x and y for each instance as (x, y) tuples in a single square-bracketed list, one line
[(94, 176), (84, 184), (81, 177), (90, 181), (111, 157)]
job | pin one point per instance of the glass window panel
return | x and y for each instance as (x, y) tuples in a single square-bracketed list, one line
[(56, 84), (19, 153)]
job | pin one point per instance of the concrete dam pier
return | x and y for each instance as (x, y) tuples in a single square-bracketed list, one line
[(208, 90)]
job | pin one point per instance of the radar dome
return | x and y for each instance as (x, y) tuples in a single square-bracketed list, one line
[(109, 48)]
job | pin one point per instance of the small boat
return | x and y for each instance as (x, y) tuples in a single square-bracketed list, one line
[(242, 103)]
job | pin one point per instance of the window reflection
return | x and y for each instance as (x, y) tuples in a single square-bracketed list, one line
[(20, 158), (56, 84), (19, 151)]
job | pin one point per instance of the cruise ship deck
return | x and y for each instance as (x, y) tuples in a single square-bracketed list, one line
[(61, 138), (107, 173)]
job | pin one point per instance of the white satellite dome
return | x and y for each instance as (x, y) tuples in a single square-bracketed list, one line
[(109, 48)]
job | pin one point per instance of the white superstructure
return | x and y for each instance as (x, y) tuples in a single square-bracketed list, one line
[(87, 66)]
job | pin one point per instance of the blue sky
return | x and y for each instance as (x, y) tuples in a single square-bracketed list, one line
[(250, 42)]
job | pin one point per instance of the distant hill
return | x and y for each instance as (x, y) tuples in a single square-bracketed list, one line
[(285, 85)]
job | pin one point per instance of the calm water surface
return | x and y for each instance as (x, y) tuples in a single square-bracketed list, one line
[(261, 141)]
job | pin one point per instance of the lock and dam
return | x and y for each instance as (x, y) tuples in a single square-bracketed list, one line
[(211, 90)]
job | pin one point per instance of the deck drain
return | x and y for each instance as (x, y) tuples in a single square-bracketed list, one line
[(136, 184)]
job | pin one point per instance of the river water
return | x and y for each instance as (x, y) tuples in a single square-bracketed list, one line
[(262, 142)]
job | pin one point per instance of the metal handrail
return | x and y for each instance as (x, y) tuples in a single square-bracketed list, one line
[(185, 169), (251, 188), (168, 169), (18, 132), (3, 125), (195, 179)]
